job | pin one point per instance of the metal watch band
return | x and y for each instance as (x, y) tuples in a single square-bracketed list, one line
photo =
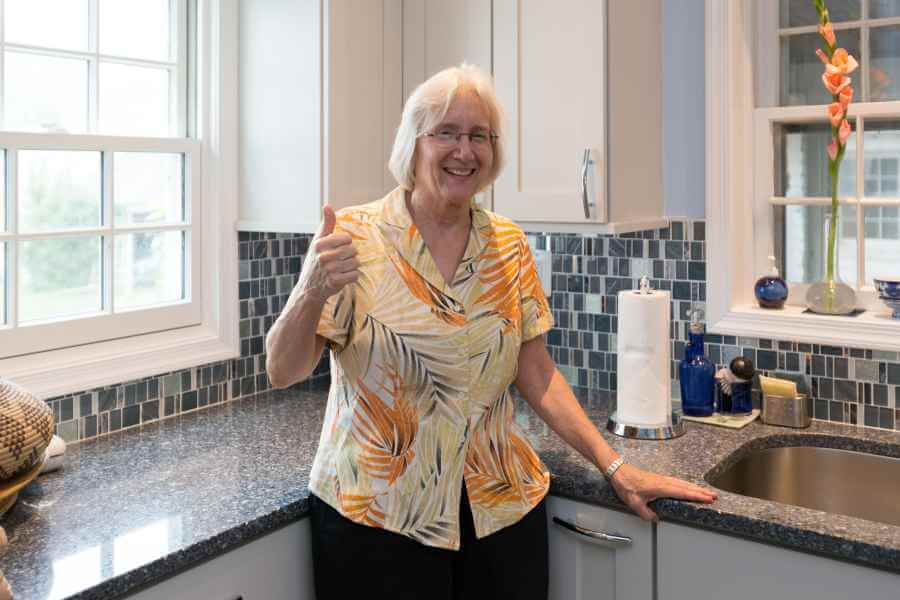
[(613, 467)]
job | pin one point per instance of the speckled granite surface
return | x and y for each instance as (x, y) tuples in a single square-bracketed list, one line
[(137, 507)]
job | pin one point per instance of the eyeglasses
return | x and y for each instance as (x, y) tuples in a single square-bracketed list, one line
[(448, 137)]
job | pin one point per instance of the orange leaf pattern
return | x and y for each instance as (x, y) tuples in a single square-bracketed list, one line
[(421, 369)]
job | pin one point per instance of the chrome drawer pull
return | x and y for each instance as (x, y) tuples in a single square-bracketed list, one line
[(598, 537)]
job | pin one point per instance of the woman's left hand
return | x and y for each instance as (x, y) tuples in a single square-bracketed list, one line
[(637, 488)]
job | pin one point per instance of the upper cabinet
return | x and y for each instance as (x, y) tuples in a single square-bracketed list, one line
[(321, 90), (581, 82)]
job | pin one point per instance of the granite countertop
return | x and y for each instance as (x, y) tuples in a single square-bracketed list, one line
[(136, 507)]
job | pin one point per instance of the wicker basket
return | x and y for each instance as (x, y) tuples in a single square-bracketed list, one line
[(26, 428)]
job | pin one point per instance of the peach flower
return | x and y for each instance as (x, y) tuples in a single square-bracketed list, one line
[(827, 33), (841, 62), (835, 82), (832, 149), (844, 131), (823, 57), (836, 113), (845, 96)]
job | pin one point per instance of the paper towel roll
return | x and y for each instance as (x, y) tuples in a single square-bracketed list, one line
[(644, 356)]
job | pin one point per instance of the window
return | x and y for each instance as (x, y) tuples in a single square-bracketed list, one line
[(99, 215), (768, 190), (869, 244), (147, 236)]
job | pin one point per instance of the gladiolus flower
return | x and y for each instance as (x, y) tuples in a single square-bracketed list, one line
[(832, 149), (823, 57), (841, 62), (835, 113), (827, 33), (845, 96), (844, 131), (835, 82)]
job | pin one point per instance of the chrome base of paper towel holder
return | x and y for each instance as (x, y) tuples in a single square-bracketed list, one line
[(665, 432)]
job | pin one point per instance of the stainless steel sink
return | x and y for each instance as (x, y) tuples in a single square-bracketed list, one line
[(836, 481)]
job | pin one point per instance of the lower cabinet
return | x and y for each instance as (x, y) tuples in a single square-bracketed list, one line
[(277, 566), (694, 563), (597, 553)]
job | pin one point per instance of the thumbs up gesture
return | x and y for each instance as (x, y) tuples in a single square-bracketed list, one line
[(331, 262)]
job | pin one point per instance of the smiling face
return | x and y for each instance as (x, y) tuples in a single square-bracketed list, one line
[(453, 173)]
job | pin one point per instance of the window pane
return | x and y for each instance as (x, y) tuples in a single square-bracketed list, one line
[(883, 247), (54, 102), (882, 149), (134, 100), (884, 69), (3, 318), (797, 13), (59, 190), (149, 268), (806, 243), (801, 69), (884, 8), (804, 161), (148, 188), (60, 277), (135, 28), (3, 207), (26, 22)]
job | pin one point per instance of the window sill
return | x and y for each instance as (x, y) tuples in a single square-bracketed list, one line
[(81, 368), (872, 329)]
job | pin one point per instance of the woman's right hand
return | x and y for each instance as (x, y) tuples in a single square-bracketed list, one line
[(331, 261)]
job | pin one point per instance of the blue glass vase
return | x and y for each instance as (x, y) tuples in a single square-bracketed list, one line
[(771, 290), (697, 378)]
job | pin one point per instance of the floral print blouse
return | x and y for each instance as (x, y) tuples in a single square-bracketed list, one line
[(421, 369)]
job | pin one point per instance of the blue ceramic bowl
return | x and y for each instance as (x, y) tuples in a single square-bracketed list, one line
[(888, 287)]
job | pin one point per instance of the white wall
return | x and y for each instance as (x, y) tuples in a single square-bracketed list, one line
[(684, 157)]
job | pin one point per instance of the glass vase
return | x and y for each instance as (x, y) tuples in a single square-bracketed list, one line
[(831, 296)]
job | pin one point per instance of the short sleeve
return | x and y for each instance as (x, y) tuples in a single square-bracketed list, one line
[(536, 316), (336, 321)]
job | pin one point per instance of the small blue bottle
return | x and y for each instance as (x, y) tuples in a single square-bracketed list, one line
[(771, 290), (697, 374)]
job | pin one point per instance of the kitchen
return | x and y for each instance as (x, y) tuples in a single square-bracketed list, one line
[(186, 476)]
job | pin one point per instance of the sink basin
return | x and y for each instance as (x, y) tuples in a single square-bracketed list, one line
[(836, 481)]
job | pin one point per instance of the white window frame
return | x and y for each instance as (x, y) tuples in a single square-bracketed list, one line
[(214, 334), (738, 194)]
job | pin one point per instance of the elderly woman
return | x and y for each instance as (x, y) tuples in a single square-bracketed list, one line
[(423, 486)]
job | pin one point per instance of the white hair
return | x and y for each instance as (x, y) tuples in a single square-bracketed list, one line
[(426, 108)]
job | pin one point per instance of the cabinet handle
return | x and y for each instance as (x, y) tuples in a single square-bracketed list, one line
[(586, 162), (596, 537)]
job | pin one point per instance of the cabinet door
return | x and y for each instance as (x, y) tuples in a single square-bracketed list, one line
[(277, 566), (438, 34), (694, 563), (584, 568), (550, 73)]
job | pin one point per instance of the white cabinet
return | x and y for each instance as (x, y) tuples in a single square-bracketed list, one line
[(694, 563), (581, 82), (277, 566), (583, 566), (320, 99)]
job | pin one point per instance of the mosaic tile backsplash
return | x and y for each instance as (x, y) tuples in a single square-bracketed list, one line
[(268, 265), (849, 385)]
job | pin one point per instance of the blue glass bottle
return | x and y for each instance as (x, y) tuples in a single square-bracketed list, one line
[(771, 290), (697, 375)]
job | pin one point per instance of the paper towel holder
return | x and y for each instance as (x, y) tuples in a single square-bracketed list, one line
[(647, 432)]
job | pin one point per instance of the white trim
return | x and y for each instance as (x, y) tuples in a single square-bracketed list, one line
[(84, 367), (611, 228), (276, 226), (732, 184)]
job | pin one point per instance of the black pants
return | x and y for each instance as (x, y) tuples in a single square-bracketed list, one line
[(356, 561)]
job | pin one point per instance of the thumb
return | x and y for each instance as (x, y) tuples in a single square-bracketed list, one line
[(328, 221)]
